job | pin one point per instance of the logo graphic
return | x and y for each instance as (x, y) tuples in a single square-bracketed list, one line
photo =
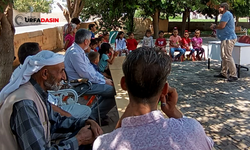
[(19, 20), (25, 20)]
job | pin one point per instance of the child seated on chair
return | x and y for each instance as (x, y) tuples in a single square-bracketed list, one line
[(105, 60), (93, 44), (94, 59), (197, 44), (148, 39), (131, 42), (161, 42), (185, 44), (120, 43), (175, 45)]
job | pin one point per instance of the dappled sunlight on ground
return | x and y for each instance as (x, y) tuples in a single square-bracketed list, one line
[(223, 108)]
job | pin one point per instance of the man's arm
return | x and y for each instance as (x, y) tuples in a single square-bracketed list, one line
[(60, 111), (84, 69), (221, 25), (26, 126)]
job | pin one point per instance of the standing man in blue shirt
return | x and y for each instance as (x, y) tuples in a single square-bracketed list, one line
[(226, 33), (77, 65), (92, 28)]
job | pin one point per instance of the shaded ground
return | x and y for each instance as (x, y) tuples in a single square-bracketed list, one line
[(220, 106)]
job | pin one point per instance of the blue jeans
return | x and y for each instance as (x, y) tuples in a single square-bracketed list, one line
[(191, 51), (172, 50), (106, 100)]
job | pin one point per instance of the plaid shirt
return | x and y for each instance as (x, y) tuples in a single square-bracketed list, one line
[(26, 126)]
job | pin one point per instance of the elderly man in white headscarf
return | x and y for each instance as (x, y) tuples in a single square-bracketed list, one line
[(26, 117)]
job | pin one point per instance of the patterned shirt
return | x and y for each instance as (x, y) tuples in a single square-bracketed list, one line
[(175, 40), (196, 42), (153, 131), (160, 42), (71, 40), (148, 42), (26, 126)]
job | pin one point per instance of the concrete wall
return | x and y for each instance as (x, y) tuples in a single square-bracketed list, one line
[(48, 39), (19, 18)]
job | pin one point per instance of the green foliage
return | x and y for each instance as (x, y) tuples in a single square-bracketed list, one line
[(112, 13), (3, 4), (37, 5)]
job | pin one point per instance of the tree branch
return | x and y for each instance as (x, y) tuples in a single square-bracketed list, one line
[(81, 6), (9, 16), (69, 6), (76, 8)]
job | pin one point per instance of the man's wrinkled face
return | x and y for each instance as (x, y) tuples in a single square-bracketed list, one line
[(56, 74)]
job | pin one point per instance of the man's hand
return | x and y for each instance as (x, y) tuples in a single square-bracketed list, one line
[(85, 136), (96, 129), (168, 104), (109, 82), (213, 26)]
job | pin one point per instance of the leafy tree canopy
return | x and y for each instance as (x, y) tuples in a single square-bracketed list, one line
[(33, 5)]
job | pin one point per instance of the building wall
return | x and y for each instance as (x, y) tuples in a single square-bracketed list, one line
[(48, 39)]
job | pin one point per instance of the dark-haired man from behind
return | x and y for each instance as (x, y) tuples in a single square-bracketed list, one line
[(142, 125), (25, 50)]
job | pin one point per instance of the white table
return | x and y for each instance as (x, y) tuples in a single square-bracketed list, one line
[(240, 53)]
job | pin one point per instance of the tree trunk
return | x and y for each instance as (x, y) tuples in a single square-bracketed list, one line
[(131, 21), (156, 23), (216, 19), (184, 20), (6, 45), (188, 21), (237, 21)]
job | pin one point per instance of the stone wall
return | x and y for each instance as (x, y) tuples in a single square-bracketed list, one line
[(48, 39)]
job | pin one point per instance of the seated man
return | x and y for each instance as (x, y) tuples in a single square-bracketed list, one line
[(142, 125), (26, 118), (75, 110), (77, 65)]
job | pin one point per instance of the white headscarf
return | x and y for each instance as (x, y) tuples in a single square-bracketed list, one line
[(31, 65)]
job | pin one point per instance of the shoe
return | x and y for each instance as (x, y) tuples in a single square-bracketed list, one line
[(232, 79), (220, 76)]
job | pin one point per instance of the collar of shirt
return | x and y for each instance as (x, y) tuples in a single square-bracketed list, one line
[(41, 92), (77, 48), (153, 116)]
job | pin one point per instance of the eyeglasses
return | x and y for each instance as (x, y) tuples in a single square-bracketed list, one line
[(221, 6)]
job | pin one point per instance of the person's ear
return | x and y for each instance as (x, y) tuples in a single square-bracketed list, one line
[(123, 84), (45, 74), (86, 42), (165, 89)]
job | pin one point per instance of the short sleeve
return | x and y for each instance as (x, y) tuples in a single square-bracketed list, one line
[(171, 38), (105, 57), (180, 38), (225, 17), (156, 42)]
